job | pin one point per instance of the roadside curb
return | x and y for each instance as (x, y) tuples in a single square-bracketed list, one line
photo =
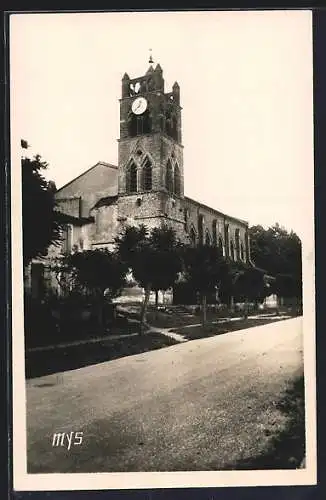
[(80, 342)]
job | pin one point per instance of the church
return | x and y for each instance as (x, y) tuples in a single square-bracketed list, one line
[(147, 185)]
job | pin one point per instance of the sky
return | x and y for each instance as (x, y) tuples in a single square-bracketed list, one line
[(246, 91)]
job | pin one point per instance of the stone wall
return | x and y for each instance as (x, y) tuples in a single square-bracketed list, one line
[(97, 182)]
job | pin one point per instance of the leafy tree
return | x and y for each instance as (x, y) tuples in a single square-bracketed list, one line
[(278, 252), (98, 273), (41, 223), (205, 269), (153, 258), (250, 285), (288, 286), (168, 265)]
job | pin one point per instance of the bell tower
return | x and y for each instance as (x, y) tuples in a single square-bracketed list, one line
[(150, 173)]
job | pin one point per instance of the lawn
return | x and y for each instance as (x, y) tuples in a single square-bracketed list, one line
[(178, 316), (218, 328)]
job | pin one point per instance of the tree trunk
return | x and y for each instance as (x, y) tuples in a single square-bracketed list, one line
[(204, 309), (245, 311), (232, 304), (144, 310), (156, 305)]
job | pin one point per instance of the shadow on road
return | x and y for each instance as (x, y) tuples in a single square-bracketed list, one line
[(287, 448)]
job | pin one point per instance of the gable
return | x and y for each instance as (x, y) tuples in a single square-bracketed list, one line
[(99, 181)]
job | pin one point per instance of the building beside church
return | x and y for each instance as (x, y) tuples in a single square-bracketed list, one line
[(147, 185)]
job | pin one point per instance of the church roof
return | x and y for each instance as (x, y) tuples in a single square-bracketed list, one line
[(64, 218), (206, 207), (102, 163)]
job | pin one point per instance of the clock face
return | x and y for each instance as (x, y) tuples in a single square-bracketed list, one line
[(139, 105)]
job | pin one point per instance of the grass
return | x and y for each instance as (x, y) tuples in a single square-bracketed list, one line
[(178, 316), (39, 363), (286, 448), (209, 330)]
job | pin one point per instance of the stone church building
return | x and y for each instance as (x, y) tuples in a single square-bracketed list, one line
[(147, 185)]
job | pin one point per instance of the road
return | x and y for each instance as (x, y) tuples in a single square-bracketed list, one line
[(199, 405)]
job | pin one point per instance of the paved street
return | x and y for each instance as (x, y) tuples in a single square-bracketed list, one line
[(199, 405)]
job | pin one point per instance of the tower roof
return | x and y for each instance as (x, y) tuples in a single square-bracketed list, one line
[(150, 70), (158, 68)]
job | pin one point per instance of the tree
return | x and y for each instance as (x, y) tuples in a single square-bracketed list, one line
[(41, 223), (97, 271), (250, 285), (153, 257), (288, 286), (100, 273), (205, 268), (278, 252), (167, 262)]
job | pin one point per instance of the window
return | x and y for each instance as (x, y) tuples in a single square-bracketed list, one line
[(201, 228), (174, 128), (207, 239), (147, 175), (177, 180), (232, 250), (131, 178), (237, 243), (241, 251), (221, 246), (67, 239), (226, 239), (139, 124), (169, 177), (192, 236), (214, 232), (171, 124)]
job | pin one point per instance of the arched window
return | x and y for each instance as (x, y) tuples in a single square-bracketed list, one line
[(226, 239), (139, 124), (214, 232), (221, 246), (241, 251), (207, 239), (192, 236), (132, 125), (200, 228), (177, 189), (147, 175), (174, 128), (237, 244), (131, 178), (232, 250), (169, 177)]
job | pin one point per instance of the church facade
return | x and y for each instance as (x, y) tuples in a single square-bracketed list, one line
[(147, 185)]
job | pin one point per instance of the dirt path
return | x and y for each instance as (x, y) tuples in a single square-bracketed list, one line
[(198, 405)]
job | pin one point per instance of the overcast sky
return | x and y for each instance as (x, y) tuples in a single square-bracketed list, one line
[(246, 93)]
